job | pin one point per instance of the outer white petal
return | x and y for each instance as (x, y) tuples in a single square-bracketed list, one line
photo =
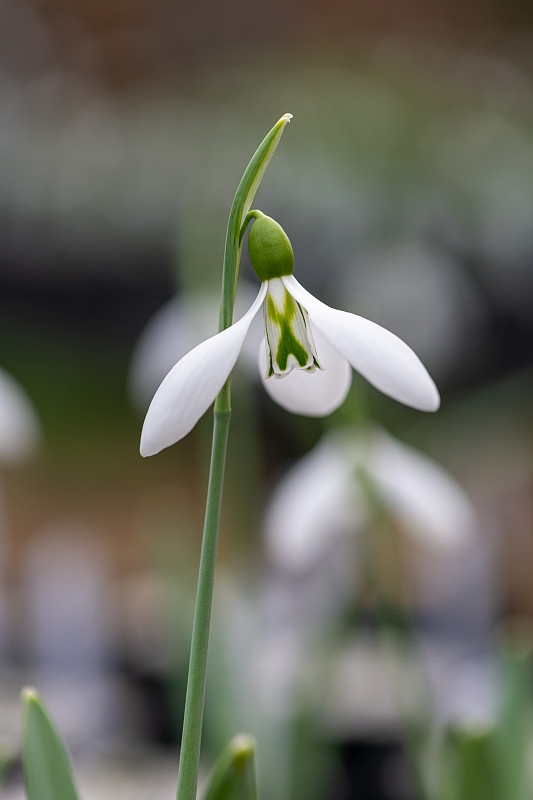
[(20, 432), (192, 385), (381, 357), (315, 394), (177, 327), (421, 494), (312, 505)]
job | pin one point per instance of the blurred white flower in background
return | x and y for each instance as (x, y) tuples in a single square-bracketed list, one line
[(320, 498), (181, 324), (20, 431), (425, 296)]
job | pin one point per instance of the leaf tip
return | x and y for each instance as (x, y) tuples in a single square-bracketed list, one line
[(243, 747), (29, 694)]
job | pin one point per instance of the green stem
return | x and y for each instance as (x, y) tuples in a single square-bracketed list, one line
[(194, 704), (195, 697)]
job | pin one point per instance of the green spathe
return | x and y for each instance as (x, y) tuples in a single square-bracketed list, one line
[(233, 775), (269, 248)]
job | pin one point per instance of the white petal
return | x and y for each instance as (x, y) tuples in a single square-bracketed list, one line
[(421, 494), (192, 385), (381, 357), (316, 393), (177, 327), (311, 507)]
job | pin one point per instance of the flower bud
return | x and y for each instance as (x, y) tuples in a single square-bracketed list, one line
[(269, 248)]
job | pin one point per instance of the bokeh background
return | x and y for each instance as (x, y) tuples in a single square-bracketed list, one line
[(405, 182)]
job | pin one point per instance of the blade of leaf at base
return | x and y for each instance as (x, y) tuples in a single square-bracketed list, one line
[(47, 769), (233, 775)]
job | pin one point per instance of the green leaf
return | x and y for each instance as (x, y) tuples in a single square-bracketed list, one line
[(474, 769), (515, 717), (8, 757), (47, 768), (233, 775)]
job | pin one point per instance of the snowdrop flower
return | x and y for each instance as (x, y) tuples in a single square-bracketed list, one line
[(307, 358), (320, 498)]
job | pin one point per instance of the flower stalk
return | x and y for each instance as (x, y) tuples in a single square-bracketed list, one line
[(194, 703), (195, 697)]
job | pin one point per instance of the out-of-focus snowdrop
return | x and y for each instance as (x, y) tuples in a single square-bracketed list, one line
[(320, 498), (425, 296), (20, 432), (325, 497), (181, 324)]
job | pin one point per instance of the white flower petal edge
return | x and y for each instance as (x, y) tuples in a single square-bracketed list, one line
[(381, 357), (419, 492), (193, 383), (311, 507), (313, 393), (20, 431)]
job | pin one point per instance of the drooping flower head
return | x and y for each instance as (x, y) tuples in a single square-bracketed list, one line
[(288, 337), (305, 361)]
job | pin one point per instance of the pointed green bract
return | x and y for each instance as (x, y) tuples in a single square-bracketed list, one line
[(47, 768), (242, 203), (233, 775)]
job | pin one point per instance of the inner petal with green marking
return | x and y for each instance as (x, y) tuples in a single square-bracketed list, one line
[(287, 331)]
